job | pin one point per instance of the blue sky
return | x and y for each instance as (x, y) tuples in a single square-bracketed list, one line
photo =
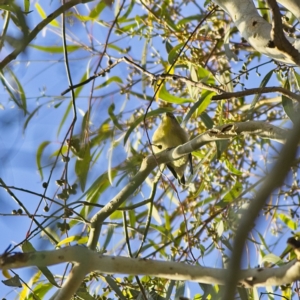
[(43, 77)]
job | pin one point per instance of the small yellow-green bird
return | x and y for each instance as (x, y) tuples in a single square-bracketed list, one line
[(170, 134)]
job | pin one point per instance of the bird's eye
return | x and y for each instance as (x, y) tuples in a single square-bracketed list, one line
[(157, 146), (171, 115)]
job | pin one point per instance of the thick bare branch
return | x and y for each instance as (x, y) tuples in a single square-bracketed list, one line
[(124, 265), (292, 5), (259, 129), (148, 164), (279, 40), (273, 180), (256, 30), (224, 132)]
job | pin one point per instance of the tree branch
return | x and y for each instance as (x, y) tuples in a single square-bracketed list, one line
[(152, 76), (148, 164), (168, 270), (260, 129), (38, 29), (256, 30), (262, 90), (292, 5), (278, 39), (273, 180), (223, 132), (134, 266)]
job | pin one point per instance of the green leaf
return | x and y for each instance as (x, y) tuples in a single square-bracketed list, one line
[(84, 126), (155, 214), (30, 116), (26, 6), (64, 118), (7, 8), (124, 18), (39, 153), (103, 133), (114, 144), (263, 83), (108, 235), (94, 192), (99, 186), (27, 247), (272, 258), (194, 91), (205, 75), (233, 193), (21, 94), (13, 281), (169, 46), (188, 20), (41, 12), (82, 292), (207, 120), (119, 49), (166, 96), (199, 106), (141, 96), (173, 54), (96, 11), (40, 289), (109, 81), (230, 54), (165, 15), (15, 90), (263, 241), (56, 49), (180, 288), (113, 116), (144, 65), (289, 108), (297, 78), (287, 293), (232, 169), (114, 287), (18, 17), (128, 28), (116, 215), (73, 238), (221, 147), (220, 228), (287, 221), (82, 166), (208, 291), (170, 289)]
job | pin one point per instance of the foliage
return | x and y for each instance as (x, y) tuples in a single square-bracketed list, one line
[(86, 144)]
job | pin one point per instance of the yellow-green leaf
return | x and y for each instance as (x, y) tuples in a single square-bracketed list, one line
[(44, 16), (55, 49), (39, 153), (287, 221), (27, 247), (83, 165)]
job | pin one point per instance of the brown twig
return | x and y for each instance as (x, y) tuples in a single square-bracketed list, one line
[(38, 28), (153, 77), (262, 90)]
